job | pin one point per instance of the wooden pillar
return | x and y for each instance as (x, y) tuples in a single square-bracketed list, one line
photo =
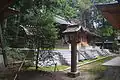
[(73, 56), (73, 72)]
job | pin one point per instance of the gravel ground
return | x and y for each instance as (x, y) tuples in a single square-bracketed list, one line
[(84, 74), (40, 75)]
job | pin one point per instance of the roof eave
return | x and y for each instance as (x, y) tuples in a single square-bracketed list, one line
[(111, 12), (105, 4)]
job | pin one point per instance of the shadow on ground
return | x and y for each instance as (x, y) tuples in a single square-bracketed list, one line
[(41, 75)]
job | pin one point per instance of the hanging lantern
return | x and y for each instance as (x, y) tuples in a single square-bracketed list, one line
[(72, 32)]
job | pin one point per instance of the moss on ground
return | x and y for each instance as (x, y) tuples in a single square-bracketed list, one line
[(90, 60), (49, 68), (92, 67), (96, 67)]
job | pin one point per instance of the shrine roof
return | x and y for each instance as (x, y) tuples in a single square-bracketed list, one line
[(29, 30), (61, 20), (72, 29), (75, 28), (111, 12)]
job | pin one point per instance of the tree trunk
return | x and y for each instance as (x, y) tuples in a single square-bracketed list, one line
[(37, 56), (102, 44), (3, 46)]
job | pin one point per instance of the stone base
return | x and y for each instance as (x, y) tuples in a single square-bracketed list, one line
[(73, 74)]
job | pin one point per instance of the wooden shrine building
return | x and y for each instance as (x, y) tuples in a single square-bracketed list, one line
[(85, 37), (111, 12)]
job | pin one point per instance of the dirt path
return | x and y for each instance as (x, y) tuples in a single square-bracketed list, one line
[(33, 75), (38, 75), (87, 72)]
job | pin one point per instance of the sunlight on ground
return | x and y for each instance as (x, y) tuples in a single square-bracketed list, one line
[(95, 70), (96, 66), (92, 60), (49, 68)]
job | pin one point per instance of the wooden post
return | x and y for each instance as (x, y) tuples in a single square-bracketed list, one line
[(37, 56), (73, 72), (73, 56)]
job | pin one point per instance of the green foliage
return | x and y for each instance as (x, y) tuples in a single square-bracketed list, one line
[(84, 4), (105, 28), (115, 46), (14, 54), (72, 8), (65, 9), (43, 21), (41, 15), (107, 31), (37, 13)]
